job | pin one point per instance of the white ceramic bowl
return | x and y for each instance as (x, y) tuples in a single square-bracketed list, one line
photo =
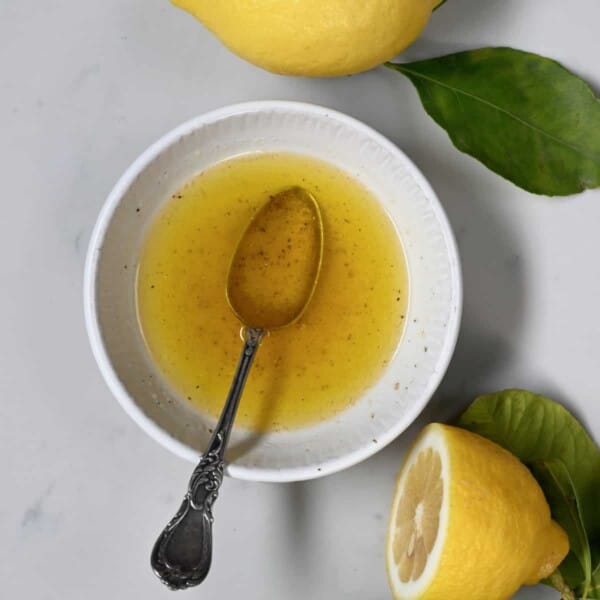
[(433, 318)]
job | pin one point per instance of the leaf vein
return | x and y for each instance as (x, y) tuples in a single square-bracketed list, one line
[(508, 113)]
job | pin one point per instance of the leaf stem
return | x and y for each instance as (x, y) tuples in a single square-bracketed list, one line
[(558, 582)]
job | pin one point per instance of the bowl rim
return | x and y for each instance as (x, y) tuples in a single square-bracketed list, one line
[(118, 390)]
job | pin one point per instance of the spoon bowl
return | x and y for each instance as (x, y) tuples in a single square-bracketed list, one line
[(276, 265)]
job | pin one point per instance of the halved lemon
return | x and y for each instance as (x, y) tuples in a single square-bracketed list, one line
[(468, 520)]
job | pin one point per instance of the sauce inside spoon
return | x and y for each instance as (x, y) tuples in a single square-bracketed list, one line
[(276, 264)]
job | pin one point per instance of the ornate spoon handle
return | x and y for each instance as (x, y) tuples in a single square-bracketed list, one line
[(182, 554)]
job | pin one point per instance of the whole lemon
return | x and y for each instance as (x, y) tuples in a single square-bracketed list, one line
[(314, 37), (468, 520)]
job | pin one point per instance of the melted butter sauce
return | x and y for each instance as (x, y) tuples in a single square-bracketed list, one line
[(304, 373)]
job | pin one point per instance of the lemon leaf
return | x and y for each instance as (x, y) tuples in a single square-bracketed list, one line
[(542, 432), (561, 494), (522, 115), (594, 587), (572, 573), (594, 591)]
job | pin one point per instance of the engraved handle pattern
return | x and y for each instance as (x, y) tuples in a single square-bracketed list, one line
[(182, 553)]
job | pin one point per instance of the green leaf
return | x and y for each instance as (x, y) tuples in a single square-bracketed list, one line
[(524, 116), (570, 572), (563, 457), (594, 587), (561, 494), (595, 584), (535, 429)]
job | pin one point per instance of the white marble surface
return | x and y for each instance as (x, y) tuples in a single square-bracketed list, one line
[(84, 88)]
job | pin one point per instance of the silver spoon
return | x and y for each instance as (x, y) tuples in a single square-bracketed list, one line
[(271, 281)]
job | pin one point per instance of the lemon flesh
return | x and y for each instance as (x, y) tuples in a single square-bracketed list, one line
[(468, 520), (314, 37)]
